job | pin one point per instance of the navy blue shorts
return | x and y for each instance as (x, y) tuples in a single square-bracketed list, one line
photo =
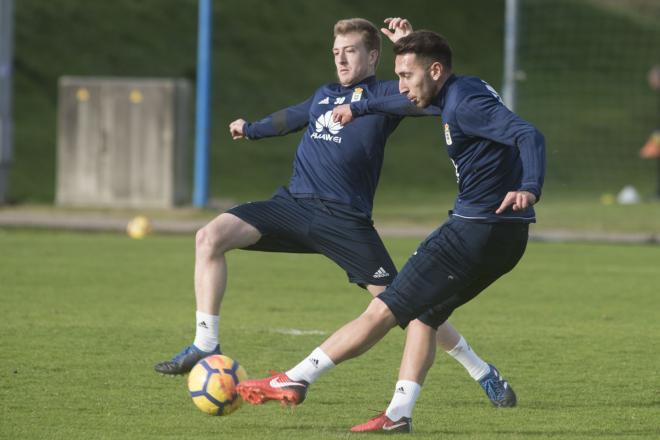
[(452, 266), (336, 230)]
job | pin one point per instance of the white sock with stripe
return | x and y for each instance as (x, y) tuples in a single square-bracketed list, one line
[(311, 367), (404, 399)]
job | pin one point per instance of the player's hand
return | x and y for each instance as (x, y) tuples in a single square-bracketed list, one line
[(236, 129), (518, 200), (397, 27), (342, 114)]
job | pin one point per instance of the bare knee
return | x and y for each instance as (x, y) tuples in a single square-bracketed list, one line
[(419, 327), (208, 242), (224, 233), (379, 312), (212, 240)]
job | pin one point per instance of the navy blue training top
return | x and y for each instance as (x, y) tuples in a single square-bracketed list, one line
[(493, 150), (333, 162)]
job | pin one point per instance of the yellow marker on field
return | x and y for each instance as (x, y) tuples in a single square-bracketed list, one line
[(136, 96), (82, 94), (607, 199)]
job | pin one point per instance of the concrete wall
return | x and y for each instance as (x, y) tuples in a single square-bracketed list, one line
[(123, 142)]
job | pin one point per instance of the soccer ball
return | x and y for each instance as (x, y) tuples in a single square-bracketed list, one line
[(212, 385), (138, 227)]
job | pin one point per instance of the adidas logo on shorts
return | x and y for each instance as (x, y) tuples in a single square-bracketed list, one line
[(381, 273)]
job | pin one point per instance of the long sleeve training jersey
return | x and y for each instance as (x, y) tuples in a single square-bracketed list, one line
[(333, 162), (493, 150)]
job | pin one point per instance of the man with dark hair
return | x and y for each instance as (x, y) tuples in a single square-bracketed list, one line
[(327, 206), (500, 165)]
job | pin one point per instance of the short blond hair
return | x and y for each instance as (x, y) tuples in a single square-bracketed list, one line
[(369, 32)]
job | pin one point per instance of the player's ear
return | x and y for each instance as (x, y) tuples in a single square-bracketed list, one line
[(436, 70), (373, 57)]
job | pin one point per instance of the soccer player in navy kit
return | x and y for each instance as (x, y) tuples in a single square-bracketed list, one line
[(327, 206), (500, 165)]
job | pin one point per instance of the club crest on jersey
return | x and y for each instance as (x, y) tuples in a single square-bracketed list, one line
[(357, 94), (447, 135)]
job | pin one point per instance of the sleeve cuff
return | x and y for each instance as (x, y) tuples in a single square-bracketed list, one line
[(359, 108), (532, 189)]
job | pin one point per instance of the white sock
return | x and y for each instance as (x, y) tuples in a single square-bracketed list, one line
[(206, 336), (404, 399), (311, 367), (474, 365)]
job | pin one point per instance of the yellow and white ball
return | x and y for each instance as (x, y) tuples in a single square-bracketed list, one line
[(212, 385), (138, 227)]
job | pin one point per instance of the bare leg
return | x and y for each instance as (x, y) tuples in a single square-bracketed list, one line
[(361, 334), (222, 234), (376, 290), (418, 358), (419, 351), (447, 336)]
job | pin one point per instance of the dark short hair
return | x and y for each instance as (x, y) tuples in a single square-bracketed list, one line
[(425, 44)]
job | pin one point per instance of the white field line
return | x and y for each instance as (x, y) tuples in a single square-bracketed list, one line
[(297, 332)]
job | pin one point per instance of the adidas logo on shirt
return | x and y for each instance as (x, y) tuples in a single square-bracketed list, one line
[(381, 273), (325, 101)]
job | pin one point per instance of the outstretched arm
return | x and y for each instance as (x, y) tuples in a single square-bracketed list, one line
[(280, 123), (236, 129), (390, 105)]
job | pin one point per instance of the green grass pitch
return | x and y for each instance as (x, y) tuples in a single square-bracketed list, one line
[(575, 327)]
